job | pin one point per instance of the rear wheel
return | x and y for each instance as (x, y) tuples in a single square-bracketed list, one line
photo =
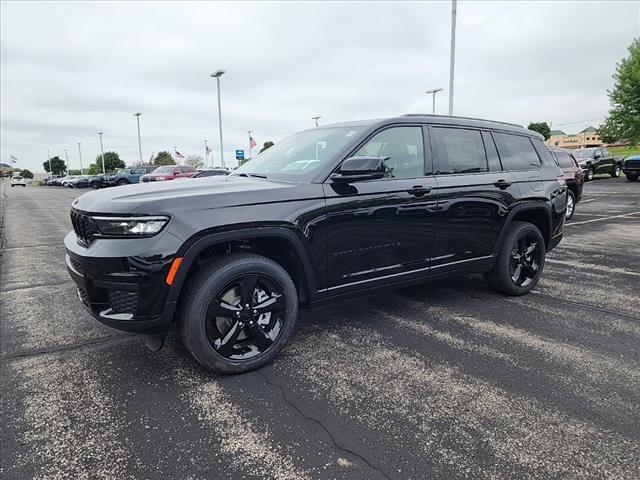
[(520, 261), (571, 205), (590, 174), (123, 182), (238, 312), (615, 173)]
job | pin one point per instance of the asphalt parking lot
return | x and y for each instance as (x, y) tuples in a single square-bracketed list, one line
[(445, 380)]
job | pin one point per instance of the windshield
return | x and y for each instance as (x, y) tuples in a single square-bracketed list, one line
[(121, 170), (298, 157), (164, 169), (584, 152)]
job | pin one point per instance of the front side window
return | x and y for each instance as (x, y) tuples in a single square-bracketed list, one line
[(460, 151), (401, 147), (516, 152)]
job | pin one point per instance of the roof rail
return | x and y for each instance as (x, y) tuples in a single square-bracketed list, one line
[(456, 116)]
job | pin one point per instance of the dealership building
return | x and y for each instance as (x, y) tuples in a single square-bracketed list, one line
[(586, 138)]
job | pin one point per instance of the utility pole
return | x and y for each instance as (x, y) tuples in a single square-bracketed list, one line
[(315, 119), (137, 115), (102, 151), (80, 157), (66, 157), (452, 58), (217, 76), (433, 92)]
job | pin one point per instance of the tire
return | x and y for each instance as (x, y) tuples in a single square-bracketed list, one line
[(500, 277), (590, 174), (571, 205), (227, 281), (94, 185), (615, 173), (631, 178), (122, 182)]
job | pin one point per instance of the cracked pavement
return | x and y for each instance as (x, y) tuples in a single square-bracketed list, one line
[(444, 380)]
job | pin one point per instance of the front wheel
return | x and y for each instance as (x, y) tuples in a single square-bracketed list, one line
[(122, 182), (631, 177), (520, 260), (571, 205), (238, 312), (615, 173)]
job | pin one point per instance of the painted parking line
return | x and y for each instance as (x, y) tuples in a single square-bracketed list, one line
[(601, 219)]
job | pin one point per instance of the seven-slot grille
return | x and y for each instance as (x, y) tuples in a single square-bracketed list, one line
[(83, 226), (632, 163)]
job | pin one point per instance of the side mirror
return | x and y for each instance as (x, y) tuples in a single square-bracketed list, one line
[(356, 169), (597, 156), (176, 171)]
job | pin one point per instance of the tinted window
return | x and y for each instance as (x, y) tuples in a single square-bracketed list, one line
[(492, 153), (140, 170), (403, 147), (516, 152), (605, 152), (564, 160), (459, 151)]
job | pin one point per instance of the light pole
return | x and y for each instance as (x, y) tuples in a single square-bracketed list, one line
[(66, 157), (249, 132), (80, 157), (49, 155), (452, 58), (316, 119), (137, 115), (206, 153), (217, 76), (433, 92), (102, 151)]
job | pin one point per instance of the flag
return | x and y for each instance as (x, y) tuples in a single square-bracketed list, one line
[(14, 159), (179, 155), (252, 142), (208, 150)]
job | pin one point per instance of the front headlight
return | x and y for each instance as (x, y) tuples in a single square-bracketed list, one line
[(130, 226)]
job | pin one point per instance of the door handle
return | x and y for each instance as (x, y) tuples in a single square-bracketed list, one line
[(419, 190), (502, 184)]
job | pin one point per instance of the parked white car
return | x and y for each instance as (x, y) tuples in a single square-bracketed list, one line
[(18, 181)]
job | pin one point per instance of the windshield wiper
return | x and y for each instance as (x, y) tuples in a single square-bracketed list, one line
[(257, 175)]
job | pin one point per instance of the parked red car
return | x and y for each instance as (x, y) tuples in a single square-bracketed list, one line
[(573, 176), (169, 172)]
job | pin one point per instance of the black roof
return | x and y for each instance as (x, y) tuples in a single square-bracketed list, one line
[(439, 119)]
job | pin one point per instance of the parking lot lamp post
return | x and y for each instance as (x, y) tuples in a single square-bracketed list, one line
[(433, 92), (452, 58), (49, 155), (217, 76), (80, 157), (137, 115), (66, 158), (102, 151), (315, 119)]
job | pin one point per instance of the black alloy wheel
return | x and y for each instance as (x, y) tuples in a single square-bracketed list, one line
[(525, 260), (590, 174), (237, 312), (245, 318)]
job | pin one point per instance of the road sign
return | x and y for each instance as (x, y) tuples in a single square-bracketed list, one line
[(239, 154)]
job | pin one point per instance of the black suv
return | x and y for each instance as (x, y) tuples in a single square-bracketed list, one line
[(325, 214), (597, 160)]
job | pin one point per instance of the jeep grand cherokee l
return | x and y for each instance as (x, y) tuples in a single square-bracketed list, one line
[(327, 213)]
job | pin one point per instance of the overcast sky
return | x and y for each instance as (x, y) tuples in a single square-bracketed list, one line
[(70, 70)]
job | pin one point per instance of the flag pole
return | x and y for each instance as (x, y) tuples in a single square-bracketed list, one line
[(249, 132)]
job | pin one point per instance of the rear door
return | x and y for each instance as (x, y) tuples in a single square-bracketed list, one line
[(474, 196)]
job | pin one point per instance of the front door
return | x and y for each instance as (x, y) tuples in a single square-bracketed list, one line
[(383, 229)]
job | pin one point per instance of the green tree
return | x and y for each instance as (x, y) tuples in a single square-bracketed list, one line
[(57, 165), (195, 161), (111, 162), (623, 122), (266, 145), (163, 158), (26, 173), (542, 128)]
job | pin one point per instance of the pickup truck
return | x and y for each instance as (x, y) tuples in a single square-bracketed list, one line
[(125, 176), (597, 160)]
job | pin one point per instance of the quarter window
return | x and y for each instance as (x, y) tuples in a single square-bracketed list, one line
[(460, 151), (402, 148), (564, 160), (516, 152)]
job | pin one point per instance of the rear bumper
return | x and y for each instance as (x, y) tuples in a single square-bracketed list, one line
[(125, 293)]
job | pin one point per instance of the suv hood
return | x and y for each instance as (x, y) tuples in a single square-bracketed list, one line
[(189, 194)]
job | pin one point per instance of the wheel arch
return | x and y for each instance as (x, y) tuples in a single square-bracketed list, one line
[(281, 244), (536, 214)]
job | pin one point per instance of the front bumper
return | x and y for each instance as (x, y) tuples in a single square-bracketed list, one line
[(127, 293)]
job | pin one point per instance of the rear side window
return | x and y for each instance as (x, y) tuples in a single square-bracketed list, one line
[(564, 160), (516, 152), (459, 151)]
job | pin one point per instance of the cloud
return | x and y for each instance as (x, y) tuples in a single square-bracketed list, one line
[(70, 69)]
